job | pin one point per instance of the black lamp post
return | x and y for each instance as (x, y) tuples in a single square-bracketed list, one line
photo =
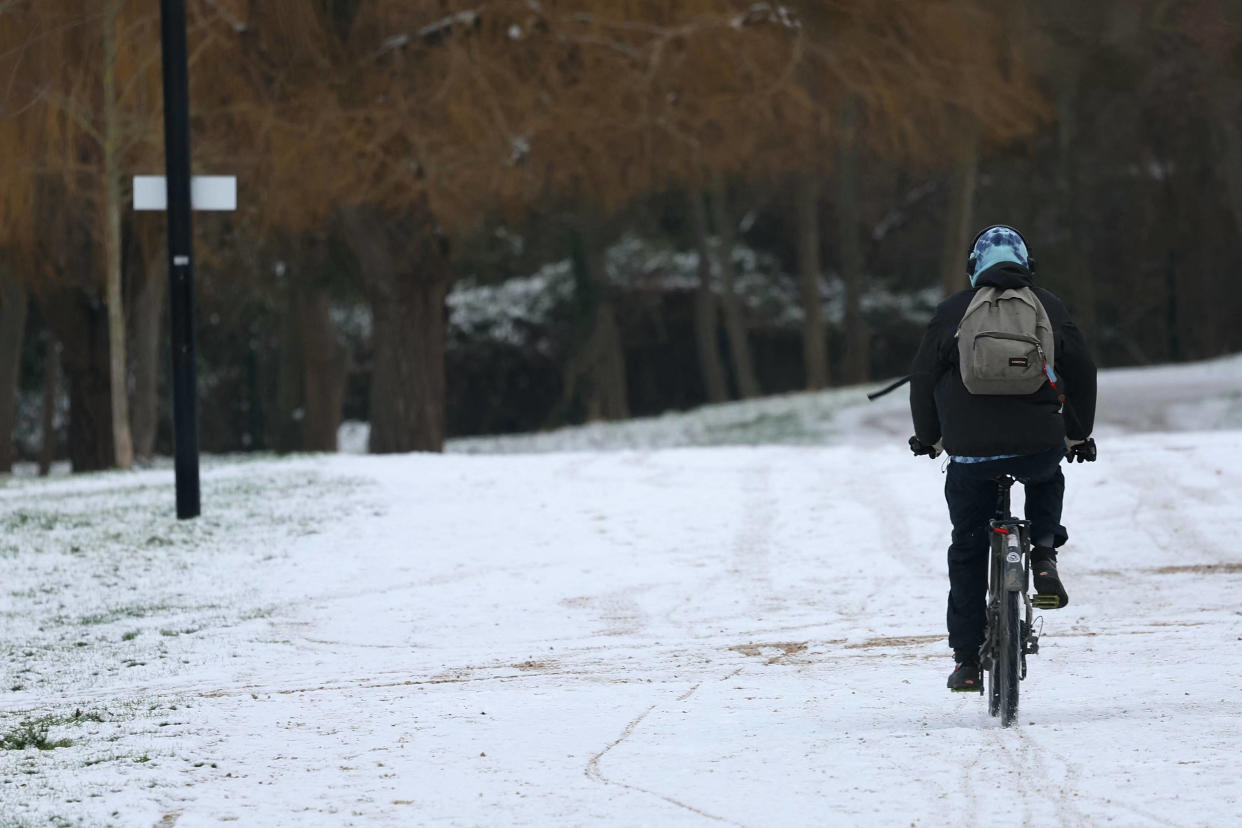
[(180, 254)]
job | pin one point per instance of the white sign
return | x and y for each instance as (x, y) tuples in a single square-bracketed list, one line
[(207, 192)]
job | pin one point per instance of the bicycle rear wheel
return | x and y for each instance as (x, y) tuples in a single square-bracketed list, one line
[(991, 660), (1008, 659), (994, 691)]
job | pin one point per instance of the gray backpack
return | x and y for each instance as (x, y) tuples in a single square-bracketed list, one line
[(1004, 342)]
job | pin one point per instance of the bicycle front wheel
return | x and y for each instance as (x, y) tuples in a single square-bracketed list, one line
[(1008, 661)]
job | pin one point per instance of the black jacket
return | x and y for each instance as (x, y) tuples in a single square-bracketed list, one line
[(978, 425)]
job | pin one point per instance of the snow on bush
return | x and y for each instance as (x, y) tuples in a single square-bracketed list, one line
[(520, 312)]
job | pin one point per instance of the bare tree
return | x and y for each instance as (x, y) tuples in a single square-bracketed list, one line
[(108, 135), (734, 319), (706, 306), (857, 356), (149, 278), (47, 415), (960, 217), (814, 333), (87, 80), (13, 304)]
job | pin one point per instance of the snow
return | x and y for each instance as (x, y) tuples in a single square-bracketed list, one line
[(1202, 396), (623, 631)]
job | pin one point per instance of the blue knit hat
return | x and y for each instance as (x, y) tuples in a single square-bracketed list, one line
[(995, 245)]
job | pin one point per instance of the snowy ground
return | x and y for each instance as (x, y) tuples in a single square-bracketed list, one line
[(746, 634)]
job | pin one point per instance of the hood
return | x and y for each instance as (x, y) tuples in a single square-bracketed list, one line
[(1006, 276)]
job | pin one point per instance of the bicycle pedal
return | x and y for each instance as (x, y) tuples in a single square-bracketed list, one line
[(1048, 601)]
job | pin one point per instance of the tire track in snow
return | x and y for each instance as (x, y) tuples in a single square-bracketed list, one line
[(594, 772), (1171, 528), (1027, 760), (173, 691), (1028, 774), (967, 788), (1028, 771), (1032, 767), (749, 553), (752, 547), (872, 500), (751, 559)]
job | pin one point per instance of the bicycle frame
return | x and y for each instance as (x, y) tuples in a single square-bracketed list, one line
[(1010, 614)]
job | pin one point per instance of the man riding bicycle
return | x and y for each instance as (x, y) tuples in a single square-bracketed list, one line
[(970, 395)]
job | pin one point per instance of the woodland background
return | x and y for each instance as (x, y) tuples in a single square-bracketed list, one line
[(479, 217)]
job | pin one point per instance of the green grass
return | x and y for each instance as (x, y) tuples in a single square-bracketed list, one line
[(173, 633), (136, 611), (33, 733), (32, 519)]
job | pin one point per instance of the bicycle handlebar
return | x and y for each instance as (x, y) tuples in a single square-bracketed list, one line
[(875, 395)]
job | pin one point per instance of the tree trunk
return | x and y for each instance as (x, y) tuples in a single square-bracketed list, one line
[(1173, 342), (289, 413), (1230, 139), (407, 380), (595, 370), (406, 275), (735, 322), (706, 311), (960, 221), (814, 336), (612, 397), (1077, 269), (13, 306), (147, 324), (110, 214), (857, 362), (323, 372), (81, 325), (51, 392)]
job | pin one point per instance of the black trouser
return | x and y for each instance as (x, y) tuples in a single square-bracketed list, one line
[(970, 490)]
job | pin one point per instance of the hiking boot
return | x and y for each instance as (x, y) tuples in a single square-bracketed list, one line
[(966, 677), (1049, 591)]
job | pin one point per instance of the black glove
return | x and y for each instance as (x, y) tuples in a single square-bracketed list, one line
[(920, 448), (1081, 450)]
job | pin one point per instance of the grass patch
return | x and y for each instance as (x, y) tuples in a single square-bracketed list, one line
[(33, 592), (138, 611), (41, 521), (31, 734), (173, 633)]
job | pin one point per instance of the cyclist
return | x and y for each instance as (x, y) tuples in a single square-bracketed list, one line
[(987, 435)]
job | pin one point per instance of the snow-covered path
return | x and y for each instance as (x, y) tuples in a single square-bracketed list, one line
[(745, 635), (749, 635)]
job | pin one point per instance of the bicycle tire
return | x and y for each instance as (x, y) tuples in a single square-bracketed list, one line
[(1009, 657), (994, 694), (994, 626)]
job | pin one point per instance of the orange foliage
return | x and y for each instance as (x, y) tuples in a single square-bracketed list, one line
[(475, 106)]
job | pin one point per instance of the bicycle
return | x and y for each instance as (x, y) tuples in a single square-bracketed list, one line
[(1009, 636), (1009, 622)]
